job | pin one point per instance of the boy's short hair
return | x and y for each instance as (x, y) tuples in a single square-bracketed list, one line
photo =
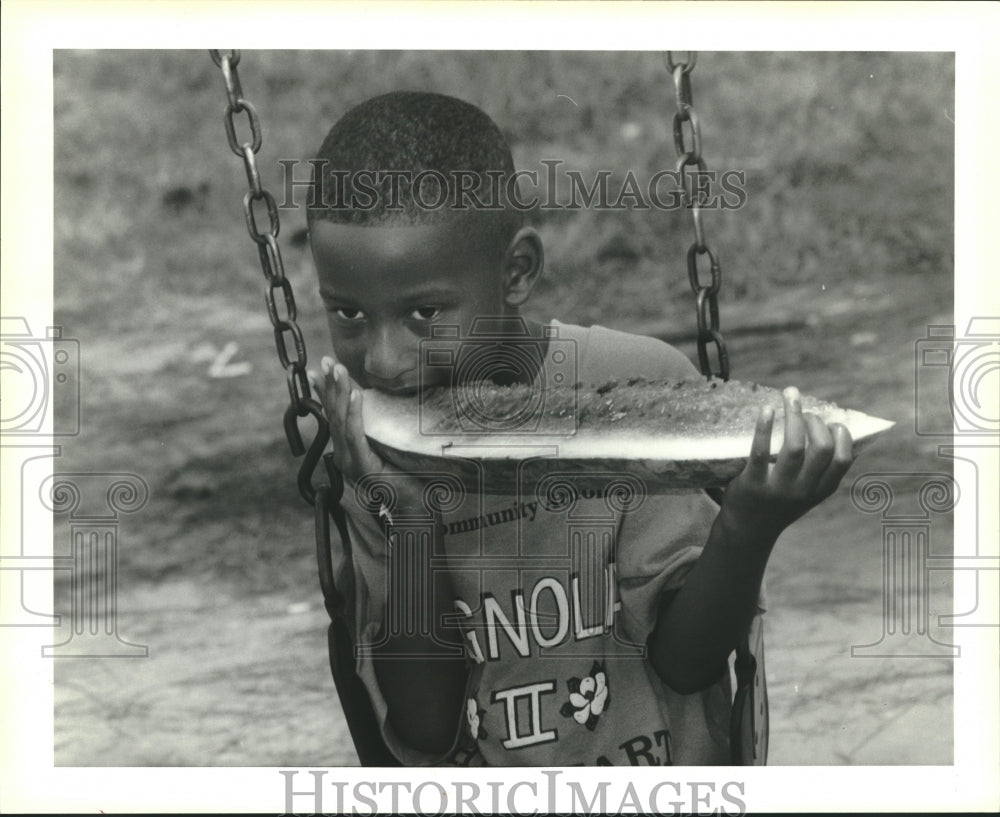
[(386, 160)]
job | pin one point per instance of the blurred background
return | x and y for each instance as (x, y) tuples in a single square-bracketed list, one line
[(834, 268)]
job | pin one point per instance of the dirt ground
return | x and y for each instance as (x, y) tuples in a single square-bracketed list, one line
[(237, 673)]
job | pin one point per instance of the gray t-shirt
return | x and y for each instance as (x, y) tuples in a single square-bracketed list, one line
[(556, 591)]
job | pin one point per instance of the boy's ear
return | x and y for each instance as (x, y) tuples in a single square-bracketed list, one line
[(522, 266)]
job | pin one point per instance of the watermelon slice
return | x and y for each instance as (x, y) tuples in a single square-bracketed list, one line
[(674, 436)]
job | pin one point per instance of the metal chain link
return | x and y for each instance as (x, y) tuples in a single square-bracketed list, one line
[(691, 169), (292, 356), (707, 310), (324, 497)]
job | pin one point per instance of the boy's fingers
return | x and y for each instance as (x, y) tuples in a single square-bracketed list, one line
[(793, 449), (317, 386), (843, 445), (840, 462), (760, 449), (364, 460), (336, 410), (330, 390), (341, 382), (343, 411), (819, 452), (323, 393)]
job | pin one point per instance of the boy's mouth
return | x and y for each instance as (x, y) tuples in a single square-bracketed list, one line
[(407, 386), (395, 389)]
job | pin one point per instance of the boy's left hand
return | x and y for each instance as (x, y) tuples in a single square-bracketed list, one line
[(342, 403), (813, 459), (341, 399)]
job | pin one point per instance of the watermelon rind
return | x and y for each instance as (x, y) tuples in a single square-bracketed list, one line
[(702, 456)]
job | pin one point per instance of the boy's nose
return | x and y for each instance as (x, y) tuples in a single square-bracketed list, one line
[(388, 361)]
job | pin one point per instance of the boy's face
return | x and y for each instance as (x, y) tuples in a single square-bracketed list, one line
[(384, 287)]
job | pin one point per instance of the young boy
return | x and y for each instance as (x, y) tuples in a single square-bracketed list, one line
[(566, 627)]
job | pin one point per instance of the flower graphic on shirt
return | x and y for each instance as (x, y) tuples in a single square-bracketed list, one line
[(475, 715), (588, 697)]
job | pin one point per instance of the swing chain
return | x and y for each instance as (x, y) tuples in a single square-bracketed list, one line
[(288, 337), (693, 182)]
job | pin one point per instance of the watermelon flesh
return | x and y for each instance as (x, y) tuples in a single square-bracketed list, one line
[(675, 436)]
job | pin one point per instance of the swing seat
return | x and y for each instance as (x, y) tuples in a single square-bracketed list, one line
[(354, 699), (748, 724)]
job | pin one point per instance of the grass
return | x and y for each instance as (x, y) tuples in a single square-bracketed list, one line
[(848, 160)]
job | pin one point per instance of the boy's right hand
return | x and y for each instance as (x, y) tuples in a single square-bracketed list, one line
[(810, 465), (342, 401)]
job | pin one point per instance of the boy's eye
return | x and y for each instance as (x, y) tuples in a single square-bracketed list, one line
[(426, 313), (346, 313)]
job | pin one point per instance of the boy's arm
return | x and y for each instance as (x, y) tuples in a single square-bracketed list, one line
[(699, 625), (422, 678)]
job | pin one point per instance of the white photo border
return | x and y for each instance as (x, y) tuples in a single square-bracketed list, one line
[(30, 32)]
